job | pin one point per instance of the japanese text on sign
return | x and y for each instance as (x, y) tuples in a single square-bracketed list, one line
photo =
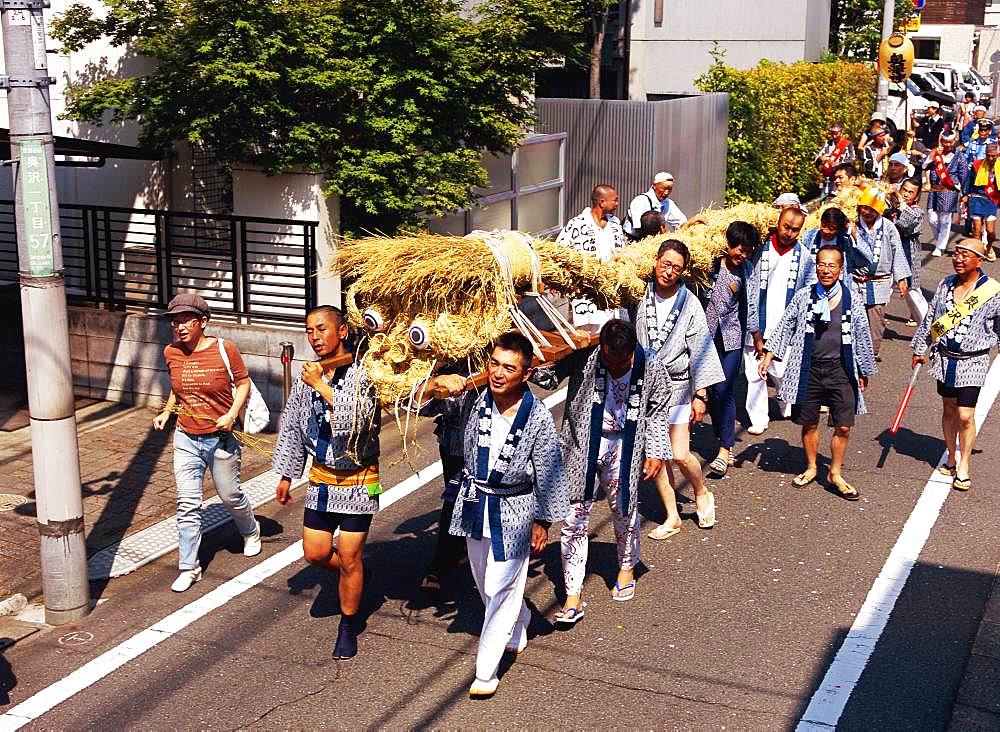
[(35, 207)]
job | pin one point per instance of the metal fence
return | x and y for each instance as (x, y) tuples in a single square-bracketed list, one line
[(625, 143), (242, 265)]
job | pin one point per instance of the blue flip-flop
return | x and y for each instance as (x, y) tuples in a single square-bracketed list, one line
[(570, 616), (623, 594)]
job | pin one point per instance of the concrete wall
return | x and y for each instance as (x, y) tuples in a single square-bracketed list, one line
[(667, 58), (956, 40), (119, 356)]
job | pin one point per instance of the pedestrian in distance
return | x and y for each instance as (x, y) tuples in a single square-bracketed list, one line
[(670, 324), (836, 150), (209, 384), (909, 222), (725, 302), (961, 326), (945, 174), (982, 195), (878, 260), (825, 341), (651, 200), (845, 176), (614, 434), (332, 416)]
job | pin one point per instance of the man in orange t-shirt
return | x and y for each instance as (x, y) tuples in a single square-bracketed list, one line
[(210, 384)]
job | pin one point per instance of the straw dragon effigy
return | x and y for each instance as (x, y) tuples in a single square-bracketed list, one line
[(427, 301)]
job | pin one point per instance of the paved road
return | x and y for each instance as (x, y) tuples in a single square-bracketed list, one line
[(732, 628)]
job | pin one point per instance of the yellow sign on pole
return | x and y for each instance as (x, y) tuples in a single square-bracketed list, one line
[(913, 24)]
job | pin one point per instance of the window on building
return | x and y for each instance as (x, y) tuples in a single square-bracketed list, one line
[(927, 48)]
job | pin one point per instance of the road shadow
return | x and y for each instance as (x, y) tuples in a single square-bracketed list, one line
[(226, 538), (923, 448), (8, 681)]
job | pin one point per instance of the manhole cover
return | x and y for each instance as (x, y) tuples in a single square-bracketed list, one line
[(10, 501)]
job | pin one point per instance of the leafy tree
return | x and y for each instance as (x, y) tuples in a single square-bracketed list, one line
[(392, 100), (856, 26)]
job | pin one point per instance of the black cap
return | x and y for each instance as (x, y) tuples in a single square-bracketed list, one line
[(188, 302)]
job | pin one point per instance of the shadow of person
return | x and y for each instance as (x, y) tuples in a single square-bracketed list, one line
[(925, 448), (771, 455), (7, 678)]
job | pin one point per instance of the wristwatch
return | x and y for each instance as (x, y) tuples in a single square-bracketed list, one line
[(702, 397)]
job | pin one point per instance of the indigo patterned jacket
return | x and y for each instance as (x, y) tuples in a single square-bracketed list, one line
[(652, 430)]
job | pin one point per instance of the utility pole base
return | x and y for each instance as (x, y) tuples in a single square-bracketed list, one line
[(64, 577)]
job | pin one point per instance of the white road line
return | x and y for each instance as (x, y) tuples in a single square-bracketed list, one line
[(109, 661), (841, 678)]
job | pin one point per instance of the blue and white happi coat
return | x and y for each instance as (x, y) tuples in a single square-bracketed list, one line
[(878, 254), (344, 436), (800, 274), (979, 331), (813, 240), (527, 482), (958, 169), (682, 343), (792, 341), (647, 429)]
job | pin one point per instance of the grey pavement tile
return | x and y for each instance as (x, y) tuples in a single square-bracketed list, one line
[(969, 719), (981, 684)]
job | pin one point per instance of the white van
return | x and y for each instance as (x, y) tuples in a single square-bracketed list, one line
[(957, 78)]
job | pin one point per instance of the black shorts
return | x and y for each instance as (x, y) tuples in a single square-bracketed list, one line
[(829, 384), (330, 521), (966, 396)]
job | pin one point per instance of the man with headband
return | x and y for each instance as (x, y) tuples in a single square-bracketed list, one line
[(960, 328)]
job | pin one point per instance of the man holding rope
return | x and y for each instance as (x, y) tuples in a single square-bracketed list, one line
[(961, 326), (332, 415)]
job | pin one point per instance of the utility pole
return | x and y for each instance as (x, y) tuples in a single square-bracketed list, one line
[(882, 100), (54, 450)]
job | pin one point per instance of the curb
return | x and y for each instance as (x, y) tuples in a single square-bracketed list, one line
[(977, 704), (143, 547)]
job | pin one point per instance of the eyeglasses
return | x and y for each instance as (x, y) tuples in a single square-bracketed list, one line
[(963, 254), (187, 323), (665, 267), (828, 265)]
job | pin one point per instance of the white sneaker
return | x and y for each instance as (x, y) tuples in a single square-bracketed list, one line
[(937, 252), (251, 544), (185, 579), (756, 429), (484, 689)]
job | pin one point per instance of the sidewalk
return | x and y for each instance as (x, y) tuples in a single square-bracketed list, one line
[(977, 706), (126, 469)]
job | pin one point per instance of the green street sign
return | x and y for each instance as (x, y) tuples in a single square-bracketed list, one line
[(33, 176)]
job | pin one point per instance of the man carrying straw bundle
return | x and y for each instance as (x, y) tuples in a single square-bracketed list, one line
[(208, 387), (512, 488), (614, 434), (332, 415)]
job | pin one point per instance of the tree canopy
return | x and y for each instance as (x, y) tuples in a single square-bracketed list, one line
[(392, 100), (856, 26)]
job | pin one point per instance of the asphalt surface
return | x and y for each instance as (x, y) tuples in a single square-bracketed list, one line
[(731, 628)]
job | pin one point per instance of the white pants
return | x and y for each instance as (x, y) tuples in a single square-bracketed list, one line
[(757, 389), (574, 539), (501, 585), (940, 224)]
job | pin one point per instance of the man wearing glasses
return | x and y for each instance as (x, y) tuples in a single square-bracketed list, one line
[(961, 326), (824, 339)]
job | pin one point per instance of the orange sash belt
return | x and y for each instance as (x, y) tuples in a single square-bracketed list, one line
[(366, 476)]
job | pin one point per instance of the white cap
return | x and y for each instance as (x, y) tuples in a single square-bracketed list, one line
[(789, 200), (979, 108), (663, 178)]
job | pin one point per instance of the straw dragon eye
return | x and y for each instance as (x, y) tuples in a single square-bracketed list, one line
[(420, 336), (373, 320)]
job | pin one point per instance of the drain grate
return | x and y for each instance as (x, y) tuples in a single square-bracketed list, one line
[(10, 501)]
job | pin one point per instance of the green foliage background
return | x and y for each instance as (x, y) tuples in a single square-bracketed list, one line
[(391, 100), (778, 118)]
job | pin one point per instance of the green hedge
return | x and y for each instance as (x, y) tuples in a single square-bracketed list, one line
[(778, 118)]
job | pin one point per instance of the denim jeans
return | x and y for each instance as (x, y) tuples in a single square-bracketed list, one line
[(722, 397), (193, 454)]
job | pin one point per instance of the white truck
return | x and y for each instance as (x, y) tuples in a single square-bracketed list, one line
[(958, 78)]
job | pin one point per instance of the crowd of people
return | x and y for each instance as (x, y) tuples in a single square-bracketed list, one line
[(802, 311)]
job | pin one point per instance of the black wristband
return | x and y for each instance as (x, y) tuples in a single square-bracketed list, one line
[(702, 397), (544, 524)]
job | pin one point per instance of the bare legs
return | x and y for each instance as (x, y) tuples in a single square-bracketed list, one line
[(959, 427)]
